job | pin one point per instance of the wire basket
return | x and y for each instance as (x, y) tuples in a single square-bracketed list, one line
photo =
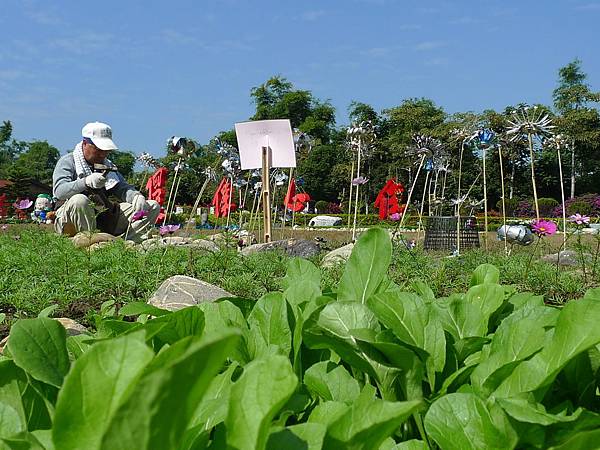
[(440, 233)]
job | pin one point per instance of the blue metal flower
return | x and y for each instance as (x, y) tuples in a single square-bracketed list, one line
[(485, 137)]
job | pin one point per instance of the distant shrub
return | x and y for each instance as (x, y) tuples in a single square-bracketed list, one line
[(547, 206), (333, 208), (510, 204), (524, 209), (321, 206)]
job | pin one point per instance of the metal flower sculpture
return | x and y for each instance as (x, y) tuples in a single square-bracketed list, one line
[(484, 140), (360, 139), (559, 142), (530, 122)]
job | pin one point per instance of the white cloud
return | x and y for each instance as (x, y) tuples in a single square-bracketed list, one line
[(429, 45), (311, 16), (588, 7)]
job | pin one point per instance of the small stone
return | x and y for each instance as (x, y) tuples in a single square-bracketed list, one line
[(292, 247), (85, 239), (73, 328), (180, 291), (337, 256), (567, 258), (325, 221)]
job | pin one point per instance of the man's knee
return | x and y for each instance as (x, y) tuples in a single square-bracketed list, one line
[(80, 201)]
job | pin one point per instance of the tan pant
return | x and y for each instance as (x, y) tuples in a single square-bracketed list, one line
[(77, 214)]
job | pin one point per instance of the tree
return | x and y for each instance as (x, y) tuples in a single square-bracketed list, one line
[(37, 162), (125, 161), (277, 99), (578, 120)]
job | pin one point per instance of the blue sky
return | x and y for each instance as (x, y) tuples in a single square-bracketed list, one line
[(152, 69)]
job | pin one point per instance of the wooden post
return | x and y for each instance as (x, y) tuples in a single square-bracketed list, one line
[(266, 198)]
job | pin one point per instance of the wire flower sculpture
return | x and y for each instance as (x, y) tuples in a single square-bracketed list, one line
[(360, 139), (530, 122), (559, 142), (483, 140)]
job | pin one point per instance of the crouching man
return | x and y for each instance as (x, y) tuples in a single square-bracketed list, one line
[(84, 181)]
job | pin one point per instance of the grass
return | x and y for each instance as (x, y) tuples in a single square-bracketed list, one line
[(39, 269)]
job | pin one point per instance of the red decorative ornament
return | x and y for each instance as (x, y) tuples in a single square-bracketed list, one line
[(295, 202), (387, 200), (221, 199)]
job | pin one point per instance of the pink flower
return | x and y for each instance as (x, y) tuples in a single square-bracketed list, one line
[(4, 227), (579, 219), (139, 215), (23, 204), (544, 227), (359, 180), (396, 217), (168, 229)]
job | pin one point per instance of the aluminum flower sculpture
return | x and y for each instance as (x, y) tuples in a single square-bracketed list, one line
[(483, 140), (181, 146), (530, 122), (560, 142), (147, 160), (360, 138)]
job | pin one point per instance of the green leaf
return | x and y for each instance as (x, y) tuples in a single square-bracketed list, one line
[(137, 308), (180, 324), (39, 347), (366, 267), (331, 382), (462, 421), (213, 408), (159, 408), (48, 311), (328, 412), (530, 412), (331, 328), (411, 320), (368, 422), (2, 317), (585, 440), (485, 273), (460, 318), (22, 395), (264, 387), (518, 337), (413, 444), (488, 297), (576, 331), (22, 441), (220, 315), (269, 327), (304, 436), (77, 345), (299, 272), (94, 389)]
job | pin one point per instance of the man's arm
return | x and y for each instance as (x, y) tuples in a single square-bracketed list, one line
[(64, 179), (124, 190)]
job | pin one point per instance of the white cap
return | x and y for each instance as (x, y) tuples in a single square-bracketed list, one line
[(100, 134)]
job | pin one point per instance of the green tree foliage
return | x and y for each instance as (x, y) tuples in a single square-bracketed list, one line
[(124, 161), (581, 122), (37, 162)]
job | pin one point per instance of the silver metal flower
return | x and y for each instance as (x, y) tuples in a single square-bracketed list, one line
[(146, 159), (361, 137), (529, 121)]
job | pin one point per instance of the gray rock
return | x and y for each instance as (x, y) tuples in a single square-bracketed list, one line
[(292, 247), (179, 241), (85, 239), (325, 221), (73, 328), (337, 256), (179, 292), (567, 258)]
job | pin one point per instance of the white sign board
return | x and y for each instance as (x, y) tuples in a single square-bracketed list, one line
[(276, 134)]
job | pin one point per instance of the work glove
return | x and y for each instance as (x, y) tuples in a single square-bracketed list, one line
[(138, 203), (95, 181)]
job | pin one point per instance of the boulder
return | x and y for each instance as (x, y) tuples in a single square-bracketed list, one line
[(293, 247), (325, 221), (567, 258), (337, 256), (85, 239), (179, 292)]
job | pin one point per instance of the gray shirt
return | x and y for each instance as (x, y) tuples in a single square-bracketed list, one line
[(66, 183)]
